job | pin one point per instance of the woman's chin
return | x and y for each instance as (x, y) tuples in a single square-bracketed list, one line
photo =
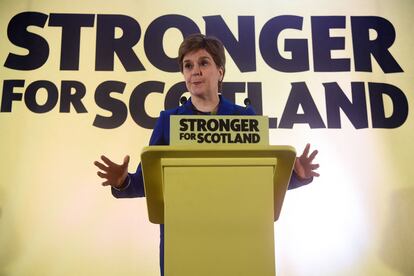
[(198, 93)]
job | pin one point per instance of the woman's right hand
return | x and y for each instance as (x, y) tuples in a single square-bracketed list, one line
[(113, 174)]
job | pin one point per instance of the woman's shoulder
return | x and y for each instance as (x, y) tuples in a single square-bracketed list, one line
[(234, 109), (173, 111), (244, 110), (179, 110)]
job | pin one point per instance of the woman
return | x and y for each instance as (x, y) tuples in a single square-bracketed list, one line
[(202, 62)]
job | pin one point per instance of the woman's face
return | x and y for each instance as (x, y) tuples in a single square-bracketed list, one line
[(201, 74)]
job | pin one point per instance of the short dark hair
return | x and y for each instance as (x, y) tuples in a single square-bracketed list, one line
[(211, 44)]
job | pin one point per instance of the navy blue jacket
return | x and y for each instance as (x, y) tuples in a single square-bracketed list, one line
[(161, 136)]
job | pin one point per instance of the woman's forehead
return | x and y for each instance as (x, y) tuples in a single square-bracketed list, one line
[(196, 55)]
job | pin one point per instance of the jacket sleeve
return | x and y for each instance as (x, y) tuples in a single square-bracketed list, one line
[(296, 183), (134, 183)]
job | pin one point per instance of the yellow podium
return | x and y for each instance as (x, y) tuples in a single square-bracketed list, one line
[(218, 204)]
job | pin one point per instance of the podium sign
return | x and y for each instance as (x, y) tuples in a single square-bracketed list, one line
[(213, 130)]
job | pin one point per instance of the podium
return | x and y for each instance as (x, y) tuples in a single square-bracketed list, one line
[(218, 204)]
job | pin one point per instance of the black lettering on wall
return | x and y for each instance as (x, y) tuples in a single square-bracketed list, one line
[(71, 34), (104, 100), (254, 93), (323, 44), (364, 47), (9, 95), (243, 50), (137, 102), (300, 96), (229, 90), (298, 47), (399, 103), (67, 97), (36, 45), (107, 45), (153, 41), (51, 98), (336, 100)]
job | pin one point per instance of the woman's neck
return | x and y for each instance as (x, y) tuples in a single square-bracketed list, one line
[(206, 104)]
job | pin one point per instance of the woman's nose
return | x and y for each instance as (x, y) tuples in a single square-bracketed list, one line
[(196, 70)]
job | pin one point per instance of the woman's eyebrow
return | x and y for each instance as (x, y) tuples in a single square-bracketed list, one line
[(202, 57)]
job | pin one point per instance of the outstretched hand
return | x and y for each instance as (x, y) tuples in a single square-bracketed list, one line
[(304, 167), (114, 174)]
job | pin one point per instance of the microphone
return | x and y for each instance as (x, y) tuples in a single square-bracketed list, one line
[(247, 102), (183, 100)]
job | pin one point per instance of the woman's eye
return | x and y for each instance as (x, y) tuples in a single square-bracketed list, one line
[(187, 66), (204, 63)]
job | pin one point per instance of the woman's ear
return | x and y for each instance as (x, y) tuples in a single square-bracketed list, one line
[(221, 71)]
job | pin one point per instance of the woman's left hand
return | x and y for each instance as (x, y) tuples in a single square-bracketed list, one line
[(304, 167)]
